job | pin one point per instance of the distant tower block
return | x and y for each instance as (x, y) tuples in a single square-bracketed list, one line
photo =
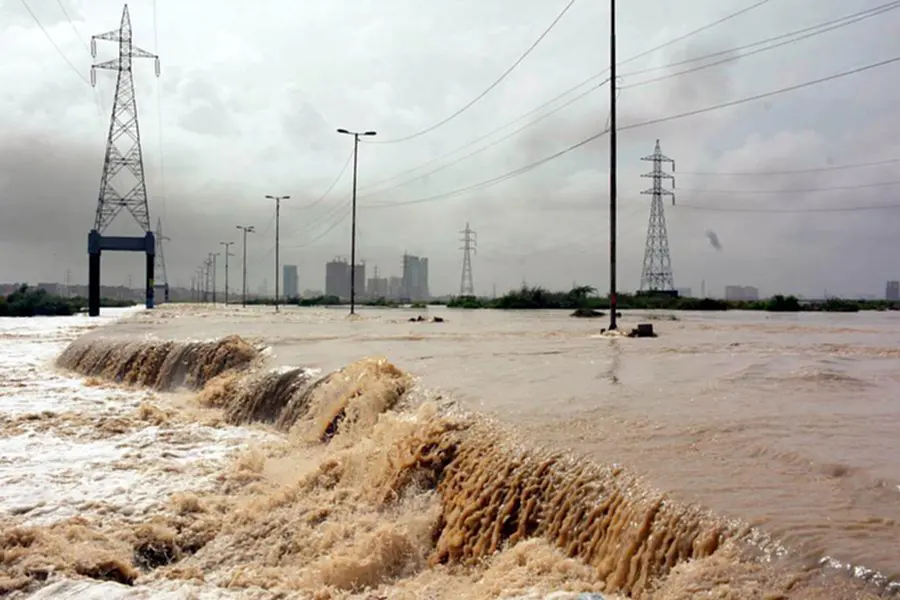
[(122, 185), (656, 275), (469, 243)]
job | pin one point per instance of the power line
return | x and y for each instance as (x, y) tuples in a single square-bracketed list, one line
[(689, 34), (592, 78), (489, 88), (159, 115), (87, 47), (682, 206), (50, 39), (869, 14), (72, 24), (794, 171), (691, 113), (484, 136), (347, 210), (835, 24), (494, 180), (330, 187), (855, 17), (486, 146), (792, 88), (797, 190)]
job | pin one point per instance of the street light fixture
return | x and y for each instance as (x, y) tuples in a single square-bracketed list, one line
[(356, 135), (277, 200), (227, 253), (246, 229)]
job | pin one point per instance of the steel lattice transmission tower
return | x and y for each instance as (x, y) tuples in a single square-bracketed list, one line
[(123, 168), (162, 281), (657, 272), (469, 243), (123, 146)]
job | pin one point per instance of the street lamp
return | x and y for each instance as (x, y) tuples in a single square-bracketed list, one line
[(355, 135), (212, 258), (227, 253), (246, 229), (277, 200)]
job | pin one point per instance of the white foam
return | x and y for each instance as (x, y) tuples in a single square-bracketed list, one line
[(92, 590), (46, 476)]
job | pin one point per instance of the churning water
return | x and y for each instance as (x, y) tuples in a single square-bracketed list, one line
[(199, 452)]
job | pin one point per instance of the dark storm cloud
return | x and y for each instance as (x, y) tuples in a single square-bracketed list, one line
[(251, 100)]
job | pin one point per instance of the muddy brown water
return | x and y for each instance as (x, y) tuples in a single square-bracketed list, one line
[(789, 422)]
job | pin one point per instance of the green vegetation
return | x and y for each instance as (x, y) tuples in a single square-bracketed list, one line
[(585, 298), (582, 298), (32, 302)]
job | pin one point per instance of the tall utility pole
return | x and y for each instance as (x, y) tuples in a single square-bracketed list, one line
[(469, 241), (612, 166), (212, 259), (246, 229), (657, 272), (277, 200), (207, 268), (227, 253), (355, 135)]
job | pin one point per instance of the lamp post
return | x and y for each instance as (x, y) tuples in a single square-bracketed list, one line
[(356, 135), (227, 253), (277, 200), (246, 229), (212, 258)]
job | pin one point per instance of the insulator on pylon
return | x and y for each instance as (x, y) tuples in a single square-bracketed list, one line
[(93, 47), (156, 66), (93, 76)]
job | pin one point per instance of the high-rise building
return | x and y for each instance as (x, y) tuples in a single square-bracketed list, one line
[(360, 280), (741, 293), (291, 285), (337, 278), (415, 278), (892, 291)]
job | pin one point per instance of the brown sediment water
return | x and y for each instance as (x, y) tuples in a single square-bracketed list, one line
[(367, 491)]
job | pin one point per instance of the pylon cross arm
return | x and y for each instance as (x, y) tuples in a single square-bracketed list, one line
[(141, 53), (109, 36), (112, 64)]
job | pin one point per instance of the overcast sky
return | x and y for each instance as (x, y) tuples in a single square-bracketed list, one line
[(251, 94)]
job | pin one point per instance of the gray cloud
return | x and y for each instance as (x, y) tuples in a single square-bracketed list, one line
[(251, 99)]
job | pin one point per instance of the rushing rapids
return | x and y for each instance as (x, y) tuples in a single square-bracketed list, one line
[(369, 491)]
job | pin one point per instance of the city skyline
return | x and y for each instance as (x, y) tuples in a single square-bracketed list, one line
[(221, 159)]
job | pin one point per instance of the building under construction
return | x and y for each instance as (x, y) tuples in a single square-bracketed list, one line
[(337, 279), (415, 278)]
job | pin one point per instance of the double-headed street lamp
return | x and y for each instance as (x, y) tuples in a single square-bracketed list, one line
[(277, 200), (356, 135), (246, 229)]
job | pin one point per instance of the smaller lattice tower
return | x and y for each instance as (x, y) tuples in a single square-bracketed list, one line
[(656, 274), (469, 247), (162, 281)]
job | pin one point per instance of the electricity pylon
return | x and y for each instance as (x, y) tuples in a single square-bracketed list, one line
[(469, 247)]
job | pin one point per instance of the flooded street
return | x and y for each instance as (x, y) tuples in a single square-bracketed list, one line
[(789, 421)]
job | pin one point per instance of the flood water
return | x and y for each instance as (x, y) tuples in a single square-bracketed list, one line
[(785, 421)]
